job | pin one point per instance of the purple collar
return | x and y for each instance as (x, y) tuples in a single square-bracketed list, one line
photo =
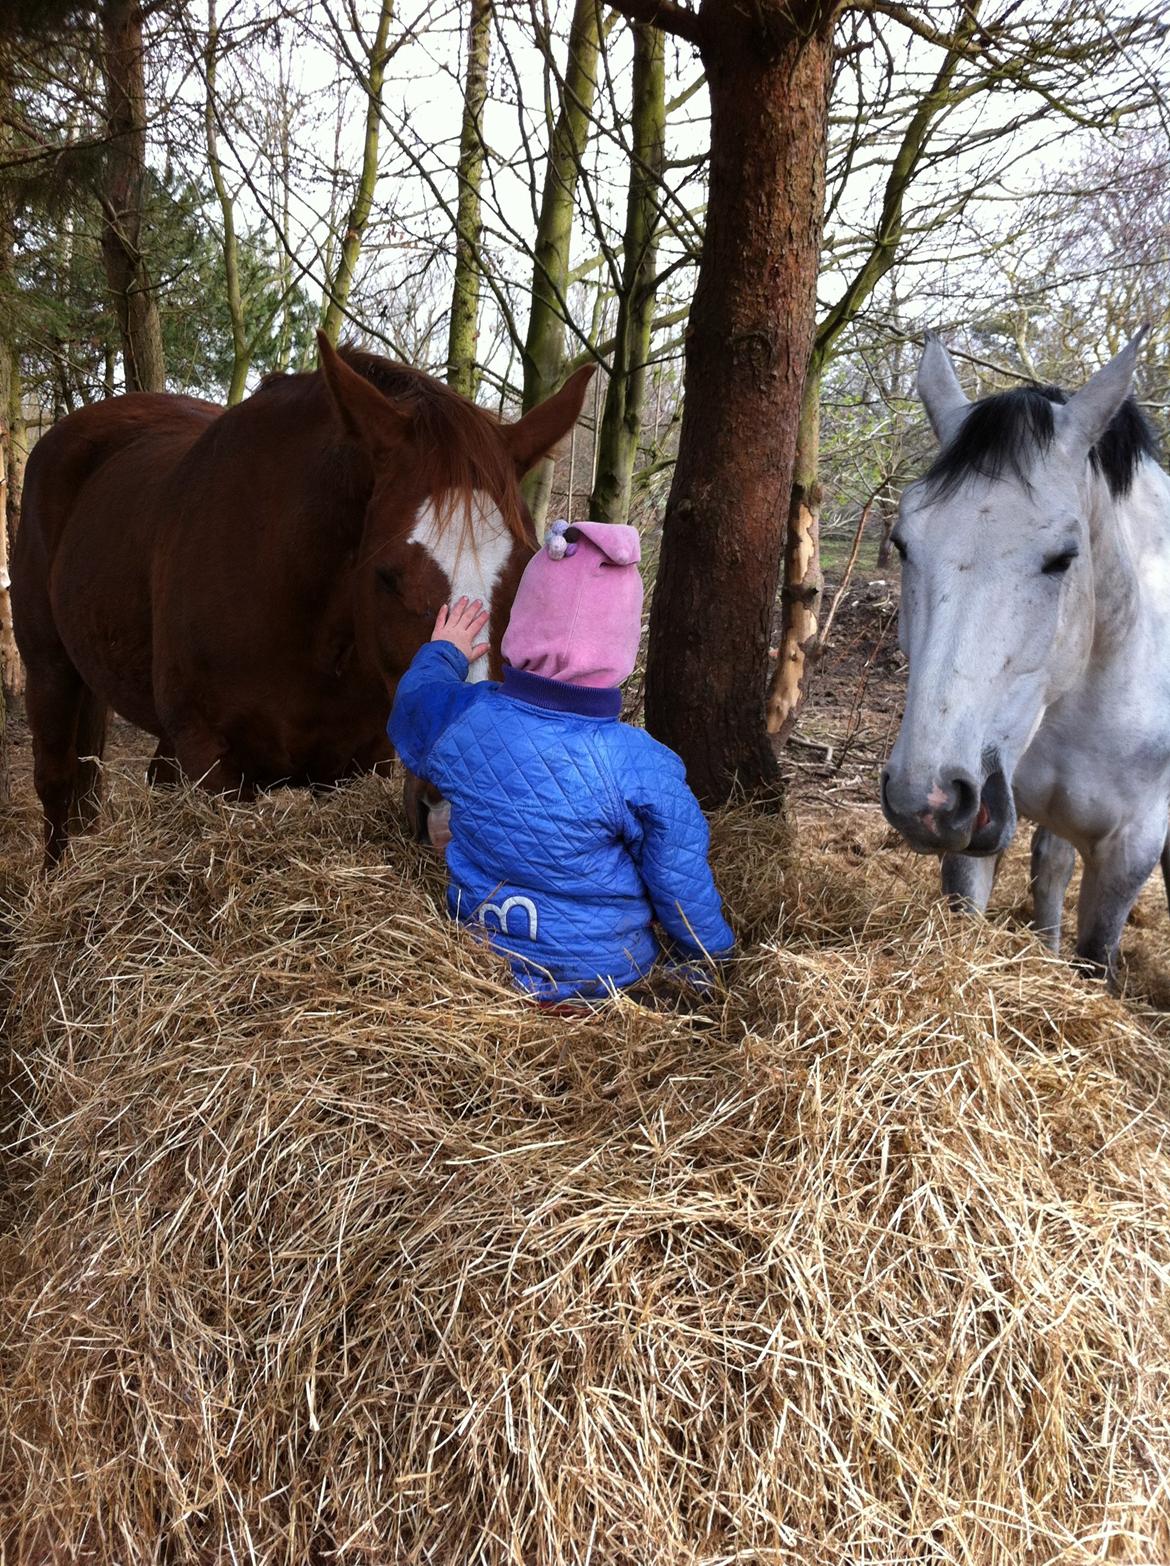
[(587, 701)]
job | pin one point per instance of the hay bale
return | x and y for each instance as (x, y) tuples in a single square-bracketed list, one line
[(334, 1248)]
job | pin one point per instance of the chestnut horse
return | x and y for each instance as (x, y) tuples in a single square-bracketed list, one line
[(249, 584)]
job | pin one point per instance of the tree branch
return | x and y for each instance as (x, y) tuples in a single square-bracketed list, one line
[(672, 18)]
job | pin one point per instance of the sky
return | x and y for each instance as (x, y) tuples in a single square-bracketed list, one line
[(404, 278)]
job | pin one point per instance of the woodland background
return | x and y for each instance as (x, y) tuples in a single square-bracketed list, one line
[(503, 190)]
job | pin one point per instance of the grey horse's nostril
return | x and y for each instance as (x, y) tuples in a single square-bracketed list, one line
[(966, 798)]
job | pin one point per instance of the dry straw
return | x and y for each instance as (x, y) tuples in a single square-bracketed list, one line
[(329, 1247)]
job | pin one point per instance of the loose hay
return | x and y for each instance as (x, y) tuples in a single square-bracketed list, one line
[(333, 1248)]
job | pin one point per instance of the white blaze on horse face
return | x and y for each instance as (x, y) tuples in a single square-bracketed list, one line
[(472, 565)]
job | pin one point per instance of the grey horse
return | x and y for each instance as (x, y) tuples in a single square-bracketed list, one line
[(1035, 616)]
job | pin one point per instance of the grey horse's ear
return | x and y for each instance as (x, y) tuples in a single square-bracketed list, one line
[(939, 389), (1088, 414)]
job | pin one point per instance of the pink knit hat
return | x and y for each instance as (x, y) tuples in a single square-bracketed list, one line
[(577, 615)]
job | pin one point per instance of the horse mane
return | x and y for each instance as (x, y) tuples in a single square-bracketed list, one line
[(461, 447), (1004, 432)]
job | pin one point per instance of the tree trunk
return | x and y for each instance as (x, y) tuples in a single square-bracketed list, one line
[(14, 440), (9, 400), (885, 546), (800, 595), (338, 287), (463, 336), (123, 194), (280, 201), (9, 659), (748, 347), (625, 395), (803, 582), (7, 639), (544, 347), (241, 351)]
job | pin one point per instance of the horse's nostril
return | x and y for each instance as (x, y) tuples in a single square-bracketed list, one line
[(965, 798)]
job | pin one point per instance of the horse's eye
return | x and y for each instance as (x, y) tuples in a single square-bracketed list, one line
[(387, 579), (900, 547), (1057, 565)]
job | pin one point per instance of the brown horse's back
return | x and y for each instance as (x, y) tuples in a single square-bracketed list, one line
[(257, 677), (81, 581), (249, 584)]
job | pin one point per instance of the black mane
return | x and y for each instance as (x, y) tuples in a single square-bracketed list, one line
[(1002, 433)]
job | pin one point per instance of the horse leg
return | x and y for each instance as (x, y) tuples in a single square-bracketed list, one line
[(164, 770), (1053, 862), (967, 880), (428, 814), (201, 756), (1116, 869), (68, 724)]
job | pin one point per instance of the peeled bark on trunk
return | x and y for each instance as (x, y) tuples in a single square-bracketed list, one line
[(6, 637), (339, 285), (625, 394), (544, 346), (10, 667), (748, 347), (463, 337), (803, 582), (123, 193), (9, 659)]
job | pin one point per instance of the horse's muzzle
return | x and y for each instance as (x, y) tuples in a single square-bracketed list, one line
[(956, 814)]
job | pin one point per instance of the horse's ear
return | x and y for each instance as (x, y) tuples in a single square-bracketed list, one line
[(938, 387), (367, 415), (535, 435), (1089, 412)]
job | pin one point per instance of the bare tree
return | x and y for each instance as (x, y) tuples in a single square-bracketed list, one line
[(123, 196), (750, 335), (544, 343), (241, 351), (625, 393), (372, 72), (463, 334)]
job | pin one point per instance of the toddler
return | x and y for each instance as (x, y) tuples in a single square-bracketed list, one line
[(571, 832)]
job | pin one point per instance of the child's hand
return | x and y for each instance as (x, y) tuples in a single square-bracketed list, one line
[(460, 625)]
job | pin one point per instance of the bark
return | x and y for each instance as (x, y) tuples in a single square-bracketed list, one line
[(843, 585), (463, 336), (800, 596), (241, 350), (9, 660), (544, 346), (625, 394), (15, 444), (885, 547), (123, 194), (7, 641), (748, 347), (281, 201), (340, 284), (10, 669)]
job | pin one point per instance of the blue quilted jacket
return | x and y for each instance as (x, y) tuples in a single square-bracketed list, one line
[(571, 833)]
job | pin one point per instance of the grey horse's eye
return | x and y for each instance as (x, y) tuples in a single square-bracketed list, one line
[(1057, 565), (900, 546)]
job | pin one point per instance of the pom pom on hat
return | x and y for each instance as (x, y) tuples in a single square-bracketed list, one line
[(559, 547)]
